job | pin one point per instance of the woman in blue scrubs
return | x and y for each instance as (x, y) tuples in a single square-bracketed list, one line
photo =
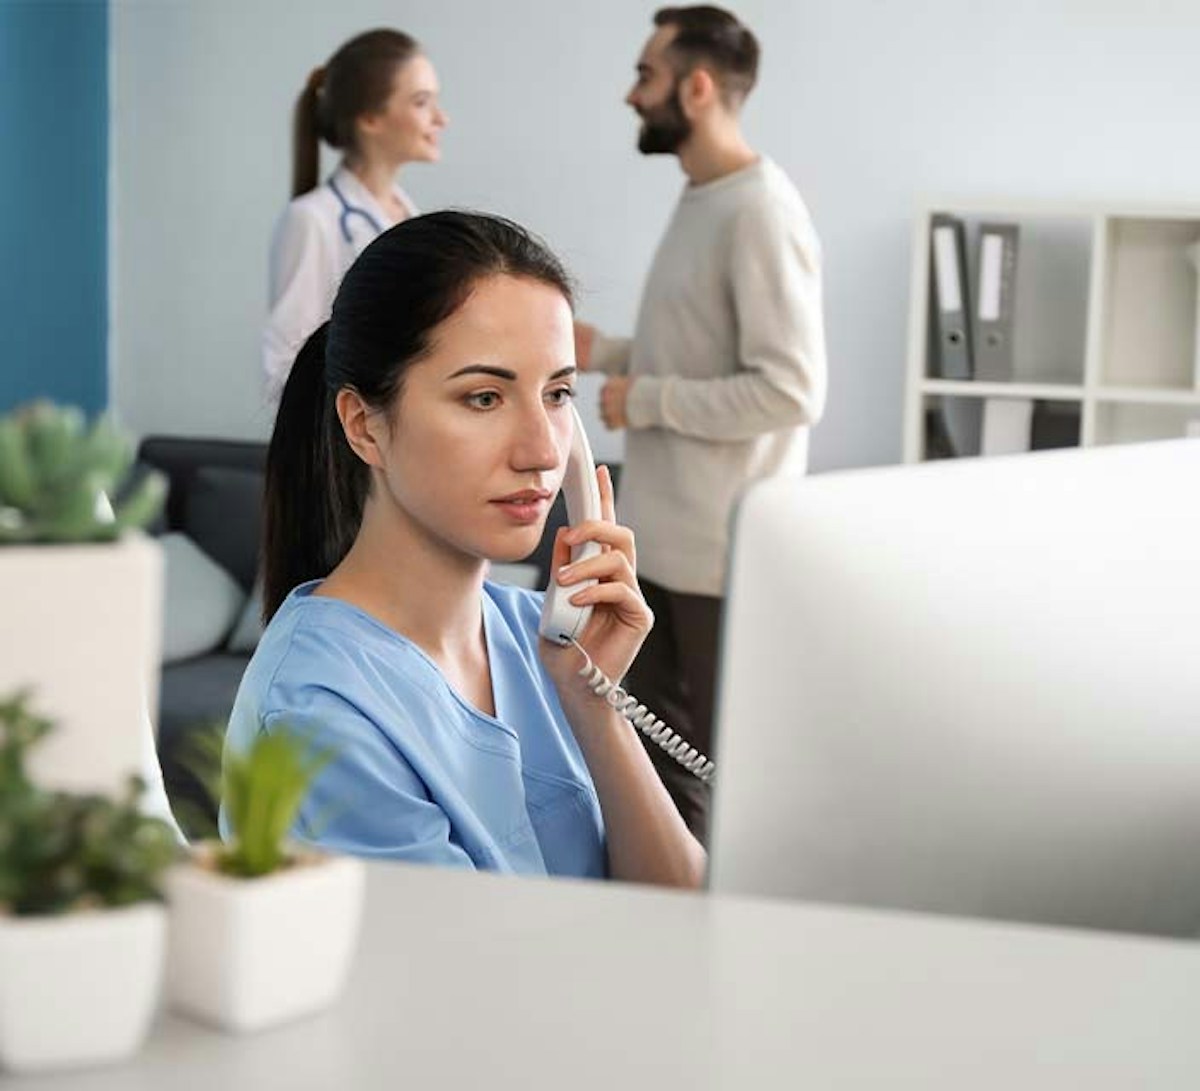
[(423, 431)]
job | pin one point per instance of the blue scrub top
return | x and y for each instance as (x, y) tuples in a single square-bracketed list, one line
[(420, 773)]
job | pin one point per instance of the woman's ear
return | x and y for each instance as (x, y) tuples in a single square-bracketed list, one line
[(361, 425), (368, 123)]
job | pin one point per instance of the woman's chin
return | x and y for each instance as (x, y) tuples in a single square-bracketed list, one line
[(516, 547)]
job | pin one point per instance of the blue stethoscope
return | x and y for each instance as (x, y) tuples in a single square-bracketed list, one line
[(349, 210)]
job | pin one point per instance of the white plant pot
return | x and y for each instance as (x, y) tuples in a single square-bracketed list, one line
[(80, 988), (250, 953), (83, 628)]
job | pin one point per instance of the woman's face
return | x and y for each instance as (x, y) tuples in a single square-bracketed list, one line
[(406, 129), (478, 440)]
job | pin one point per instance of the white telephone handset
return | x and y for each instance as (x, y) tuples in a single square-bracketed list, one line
[(563, 623)]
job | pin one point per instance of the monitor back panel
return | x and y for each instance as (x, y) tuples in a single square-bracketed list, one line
[(969, 687)]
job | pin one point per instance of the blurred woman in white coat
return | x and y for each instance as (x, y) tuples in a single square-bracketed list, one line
[(376, 100)]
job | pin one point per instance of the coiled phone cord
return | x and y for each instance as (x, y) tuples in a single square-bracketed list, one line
[(645, 720)]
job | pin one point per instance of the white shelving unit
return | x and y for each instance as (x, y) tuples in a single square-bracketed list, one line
[(1105, 329)]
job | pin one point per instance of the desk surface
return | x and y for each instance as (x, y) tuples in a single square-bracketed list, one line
[(481, 981)]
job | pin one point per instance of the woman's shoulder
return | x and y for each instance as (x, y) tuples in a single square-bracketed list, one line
[(314, 643), (324, 643), (308, 212), (319, 198), (323, 661)]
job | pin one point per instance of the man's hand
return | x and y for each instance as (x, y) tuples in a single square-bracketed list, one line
[(613, 396), (585, 335)]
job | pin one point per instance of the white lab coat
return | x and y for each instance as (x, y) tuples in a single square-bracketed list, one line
[(309, 256)]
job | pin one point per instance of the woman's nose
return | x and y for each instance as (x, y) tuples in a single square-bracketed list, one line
[(535, 445)]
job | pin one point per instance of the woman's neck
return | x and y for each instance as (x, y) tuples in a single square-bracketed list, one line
[(379, 178), (413, 585)]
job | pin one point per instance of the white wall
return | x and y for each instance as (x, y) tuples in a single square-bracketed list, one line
[(868, 105)]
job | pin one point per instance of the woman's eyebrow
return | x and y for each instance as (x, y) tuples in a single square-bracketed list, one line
[(503, 373), (484, 369)]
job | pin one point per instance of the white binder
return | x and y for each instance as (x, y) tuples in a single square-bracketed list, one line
[(1006, 425)]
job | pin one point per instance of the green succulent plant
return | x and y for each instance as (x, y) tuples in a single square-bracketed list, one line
[(262, 789), (58, 477), (60, 852)]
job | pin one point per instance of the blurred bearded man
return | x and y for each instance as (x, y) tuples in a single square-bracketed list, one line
[(725, 373)]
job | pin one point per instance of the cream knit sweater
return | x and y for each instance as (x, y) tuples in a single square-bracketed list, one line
[(728, 359)]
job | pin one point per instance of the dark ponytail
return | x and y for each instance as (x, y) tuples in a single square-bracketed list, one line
[(356, 80), (315, 484), (306, 136), (402, 287)]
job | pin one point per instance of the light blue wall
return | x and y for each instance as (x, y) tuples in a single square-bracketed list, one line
[(54, 201)]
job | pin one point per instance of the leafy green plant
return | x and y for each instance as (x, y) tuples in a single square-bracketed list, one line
[(58, 478), (60, 852), (261, 789)]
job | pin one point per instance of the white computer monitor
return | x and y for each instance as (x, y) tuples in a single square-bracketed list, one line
[(969, 687)]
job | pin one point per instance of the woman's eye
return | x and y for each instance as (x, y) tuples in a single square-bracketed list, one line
[(485, 399), (560, 395)]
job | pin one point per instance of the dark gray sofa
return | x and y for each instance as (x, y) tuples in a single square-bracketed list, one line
[(215, 499)]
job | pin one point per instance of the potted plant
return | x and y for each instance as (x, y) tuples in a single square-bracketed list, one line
[(80, 591), (262, 931), (82, 929)]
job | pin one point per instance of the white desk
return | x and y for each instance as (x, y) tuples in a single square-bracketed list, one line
[(477, 981)]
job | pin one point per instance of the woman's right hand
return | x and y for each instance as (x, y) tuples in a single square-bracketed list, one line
[(620, 619)]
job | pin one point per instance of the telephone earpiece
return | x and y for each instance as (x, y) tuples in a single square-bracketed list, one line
[(561, 621)]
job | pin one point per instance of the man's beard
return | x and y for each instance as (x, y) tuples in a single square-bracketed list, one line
[(665, 127)]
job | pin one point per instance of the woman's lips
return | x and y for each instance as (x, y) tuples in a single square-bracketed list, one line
[(524, 507)]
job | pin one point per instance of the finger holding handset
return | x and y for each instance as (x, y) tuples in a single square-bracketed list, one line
[(593, 596)]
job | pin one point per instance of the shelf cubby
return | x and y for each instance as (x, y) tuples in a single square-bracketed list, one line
[(1137, 422), (1149, 303), (1105, 331), (953, 426)]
